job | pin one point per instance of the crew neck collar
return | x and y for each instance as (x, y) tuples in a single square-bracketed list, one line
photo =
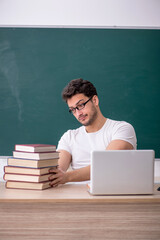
[(98, 130)]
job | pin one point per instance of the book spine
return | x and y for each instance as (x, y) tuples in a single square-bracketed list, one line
[(4, 176)]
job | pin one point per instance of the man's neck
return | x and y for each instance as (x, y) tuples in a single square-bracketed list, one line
[(96, 125)]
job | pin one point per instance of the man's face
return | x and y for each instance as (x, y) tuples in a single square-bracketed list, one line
[(87, 114)]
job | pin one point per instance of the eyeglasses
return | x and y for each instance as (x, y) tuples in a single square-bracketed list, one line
[(79, 106)]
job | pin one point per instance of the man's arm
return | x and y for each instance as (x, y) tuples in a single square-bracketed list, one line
[(65, 159), (61, 175), (119, 145), (78, 175)]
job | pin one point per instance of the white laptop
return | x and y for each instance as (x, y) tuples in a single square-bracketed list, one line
[(119, 172)]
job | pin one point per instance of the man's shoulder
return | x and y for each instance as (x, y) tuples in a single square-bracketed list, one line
[(114, 125)]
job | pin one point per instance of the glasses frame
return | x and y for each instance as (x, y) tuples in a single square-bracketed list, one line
[(73, 110)]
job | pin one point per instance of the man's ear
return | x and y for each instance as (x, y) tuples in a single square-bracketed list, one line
[(95, 100)]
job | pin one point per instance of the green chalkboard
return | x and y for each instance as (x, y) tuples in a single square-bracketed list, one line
[(36, 64)]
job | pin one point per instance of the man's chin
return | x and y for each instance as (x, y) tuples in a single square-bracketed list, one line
[(85, 123)]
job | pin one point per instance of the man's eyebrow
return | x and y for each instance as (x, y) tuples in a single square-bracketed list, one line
[(77, 103)]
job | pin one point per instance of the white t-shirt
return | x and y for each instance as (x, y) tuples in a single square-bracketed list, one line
[(79, 143)]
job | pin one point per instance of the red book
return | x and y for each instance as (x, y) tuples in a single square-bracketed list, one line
[(35, 147)]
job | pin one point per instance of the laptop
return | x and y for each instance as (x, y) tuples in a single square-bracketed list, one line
[(122, 172)]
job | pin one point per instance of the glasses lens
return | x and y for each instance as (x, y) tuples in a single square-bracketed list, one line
[(80, 106)]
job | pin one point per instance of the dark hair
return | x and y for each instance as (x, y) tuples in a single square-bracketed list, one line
[(76, 86)]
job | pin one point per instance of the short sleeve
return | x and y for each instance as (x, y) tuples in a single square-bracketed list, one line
[(64, 141), (126, 132)]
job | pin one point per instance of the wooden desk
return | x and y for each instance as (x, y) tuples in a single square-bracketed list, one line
[(70, 212)]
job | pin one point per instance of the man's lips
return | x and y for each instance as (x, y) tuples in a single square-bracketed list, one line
[(82, 117)]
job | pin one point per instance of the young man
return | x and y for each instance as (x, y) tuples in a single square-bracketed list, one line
[(97, 133)]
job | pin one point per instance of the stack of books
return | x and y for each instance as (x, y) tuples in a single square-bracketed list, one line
[(29, 166)]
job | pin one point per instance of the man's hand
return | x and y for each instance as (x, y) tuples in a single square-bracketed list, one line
[(58, 177)]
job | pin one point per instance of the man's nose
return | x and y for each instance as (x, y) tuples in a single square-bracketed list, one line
[(78, 111)]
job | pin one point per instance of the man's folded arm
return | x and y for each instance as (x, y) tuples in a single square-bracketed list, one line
[(62, 175), (77, 175), (83, 174)]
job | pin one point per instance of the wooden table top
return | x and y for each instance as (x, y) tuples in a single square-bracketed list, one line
[(71, 192)]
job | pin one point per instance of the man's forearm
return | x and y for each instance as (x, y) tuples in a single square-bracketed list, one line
[(61, 177), (78, 175)]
